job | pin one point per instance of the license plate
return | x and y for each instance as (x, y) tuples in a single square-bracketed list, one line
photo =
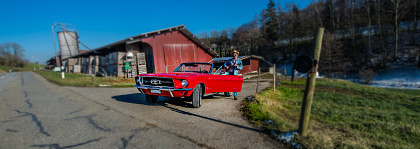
[(155, 91)]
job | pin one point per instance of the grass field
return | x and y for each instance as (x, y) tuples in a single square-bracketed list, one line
[(344, 114), (83, 80), (27, 67)]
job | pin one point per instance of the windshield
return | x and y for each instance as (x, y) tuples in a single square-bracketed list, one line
[(194, 67)]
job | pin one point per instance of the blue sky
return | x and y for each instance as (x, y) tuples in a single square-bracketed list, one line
[(29, 22)]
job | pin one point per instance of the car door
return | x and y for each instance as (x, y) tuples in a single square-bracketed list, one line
[(214, 83), (225, 83)]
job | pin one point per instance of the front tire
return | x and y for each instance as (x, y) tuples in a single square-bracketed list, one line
[(196, 96), (151, 99)]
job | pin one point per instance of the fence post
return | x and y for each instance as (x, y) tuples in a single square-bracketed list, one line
[(274, 77), (310, 86), (258, 80)]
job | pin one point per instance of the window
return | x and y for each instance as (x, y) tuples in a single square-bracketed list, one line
[(246, 61)]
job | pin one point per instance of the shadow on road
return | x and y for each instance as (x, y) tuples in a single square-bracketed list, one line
[(138, 98), (131, 98), (212, 119), (165, 102)]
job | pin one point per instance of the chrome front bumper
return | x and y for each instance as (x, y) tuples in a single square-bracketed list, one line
[(169, 89)]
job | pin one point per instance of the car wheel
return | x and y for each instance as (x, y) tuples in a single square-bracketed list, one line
[(228, 94), (196, 96), (151, 98)]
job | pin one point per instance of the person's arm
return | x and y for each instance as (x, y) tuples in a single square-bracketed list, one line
[(226, 64), (239, 65)]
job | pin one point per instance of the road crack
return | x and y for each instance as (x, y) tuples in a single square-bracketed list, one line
[(136, 131), (25, 93), (23, 81), (11, 130), (57, 146), (70, 113), (29, 103), (129, 115), (36, 121), (91, 122)]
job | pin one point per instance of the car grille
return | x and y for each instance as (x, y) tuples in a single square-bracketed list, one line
[(156, 81)]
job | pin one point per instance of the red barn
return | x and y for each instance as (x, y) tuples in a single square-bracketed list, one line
[(152, 52)]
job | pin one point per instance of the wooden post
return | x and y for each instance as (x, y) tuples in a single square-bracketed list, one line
[(137, 65), (258, 80), (90, 65), (92, 80), (310, 86), (274, 78)]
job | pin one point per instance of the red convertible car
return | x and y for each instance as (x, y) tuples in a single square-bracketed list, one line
[(189, 80)]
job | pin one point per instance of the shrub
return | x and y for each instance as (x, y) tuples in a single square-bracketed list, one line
[(367, 75)]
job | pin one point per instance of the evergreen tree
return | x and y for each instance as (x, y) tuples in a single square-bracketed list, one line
[(270, 25)]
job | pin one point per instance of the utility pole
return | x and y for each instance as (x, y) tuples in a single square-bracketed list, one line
[(310, 86)]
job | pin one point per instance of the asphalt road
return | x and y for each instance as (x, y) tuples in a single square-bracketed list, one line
[(35, 113)]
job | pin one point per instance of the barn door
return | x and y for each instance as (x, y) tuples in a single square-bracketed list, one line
[(150, 63), (175, 54)]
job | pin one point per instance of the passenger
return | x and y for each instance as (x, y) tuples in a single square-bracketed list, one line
[(233, 66)]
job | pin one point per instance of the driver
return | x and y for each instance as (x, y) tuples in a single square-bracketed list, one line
[(233, 66)]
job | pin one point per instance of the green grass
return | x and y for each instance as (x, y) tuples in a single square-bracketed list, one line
[(27, 67), (83, 80), (344, 114)]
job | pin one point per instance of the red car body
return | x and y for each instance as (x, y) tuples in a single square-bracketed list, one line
[(173, 84)]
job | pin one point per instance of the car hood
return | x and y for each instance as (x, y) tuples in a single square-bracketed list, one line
[(175, 75)]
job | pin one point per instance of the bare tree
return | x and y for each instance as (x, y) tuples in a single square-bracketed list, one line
[(397, 7), (378, 13), (332, 54), (413, 36), (3, 55), (12, 54), (204, 36), (248, 38), (368, 51), (329, 11), (316, 8)]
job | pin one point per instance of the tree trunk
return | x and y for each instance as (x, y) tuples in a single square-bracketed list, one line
[(396, 29), (352, 25), (290, 46), (413, 33), (379, 30), (418, 64), (332, 16), (318, 15), (369, 37)]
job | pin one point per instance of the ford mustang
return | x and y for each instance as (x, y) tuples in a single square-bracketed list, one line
[(188, 80)]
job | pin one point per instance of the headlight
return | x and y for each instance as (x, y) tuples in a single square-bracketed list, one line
[(184, 83), (139, 80)]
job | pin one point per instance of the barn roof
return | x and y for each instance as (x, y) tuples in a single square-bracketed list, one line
[(181, 28), (224, 59)]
